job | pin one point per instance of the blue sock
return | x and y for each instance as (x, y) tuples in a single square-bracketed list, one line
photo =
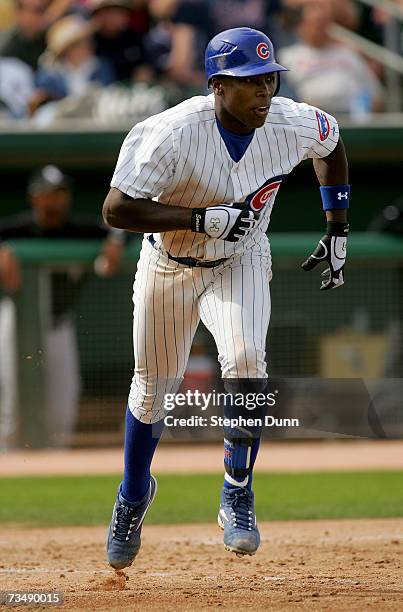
[(236, 456), (141, 440)]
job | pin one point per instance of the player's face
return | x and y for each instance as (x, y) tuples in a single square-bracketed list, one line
[(243, 103), (51, 207)]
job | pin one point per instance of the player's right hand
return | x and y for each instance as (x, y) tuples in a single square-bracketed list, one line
[(226, 222)]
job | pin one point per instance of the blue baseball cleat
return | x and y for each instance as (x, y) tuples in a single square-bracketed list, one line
[(124, 535), (237, 518)]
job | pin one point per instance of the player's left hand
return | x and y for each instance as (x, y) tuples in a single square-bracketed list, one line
[(332, 249)]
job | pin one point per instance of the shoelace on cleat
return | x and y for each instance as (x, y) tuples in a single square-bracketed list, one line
[(124, 522), (242, 515)]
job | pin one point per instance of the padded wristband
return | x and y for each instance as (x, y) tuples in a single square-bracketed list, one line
[(335, 197)]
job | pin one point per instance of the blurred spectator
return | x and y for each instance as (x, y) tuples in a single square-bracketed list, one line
[(50, 196), (26, 40), (381, 15), (157, 42), (326, 74), (162, 9), (69, 66), (345, 12), (250, 13), (16, 87), (176, 44), (59, 8), (114, 38), (384, 20), (140, 19), (191, 28)]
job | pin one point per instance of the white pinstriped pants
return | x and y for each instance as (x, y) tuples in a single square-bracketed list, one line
[(232, 300)]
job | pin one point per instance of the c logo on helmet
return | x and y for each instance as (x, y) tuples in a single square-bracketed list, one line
[(263, 50), (263, 195)]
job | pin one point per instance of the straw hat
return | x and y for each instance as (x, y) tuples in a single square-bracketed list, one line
[(98, 5), (67, 31)]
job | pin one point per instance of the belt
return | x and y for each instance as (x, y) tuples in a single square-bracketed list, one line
[(190, 261)]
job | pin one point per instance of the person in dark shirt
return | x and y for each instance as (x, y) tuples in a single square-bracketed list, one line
[(26, 40), (114, 38), (50, 217)]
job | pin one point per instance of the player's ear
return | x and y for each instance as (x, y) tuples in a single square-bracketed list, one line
[(217, 86)]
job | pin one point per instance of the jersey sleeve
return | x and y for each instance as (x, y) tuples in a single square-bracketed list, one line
[(318, 131), (146, 162)]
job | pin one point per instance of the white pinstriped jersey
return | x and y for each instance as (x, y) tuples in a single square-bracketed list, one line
[(179, 158)]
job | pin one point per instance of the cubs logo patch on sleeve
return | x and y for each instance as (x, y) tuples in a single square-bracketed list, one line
[(323, 125), (259, 199)]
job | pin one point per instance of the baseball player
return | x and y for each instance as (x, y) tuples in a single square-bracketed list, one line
[(200, 181)]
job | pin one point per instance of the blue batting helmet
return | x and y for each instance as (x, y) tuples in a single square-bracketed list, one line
[(240, 52)]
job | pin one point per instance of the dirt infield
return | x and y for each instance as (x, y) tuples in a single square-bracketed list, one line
[(336, 566), (195, 458), (310, 565)]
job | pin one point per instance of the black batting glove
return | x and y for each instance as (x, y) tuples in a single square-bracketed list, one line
[(332, 249), (227, 222)]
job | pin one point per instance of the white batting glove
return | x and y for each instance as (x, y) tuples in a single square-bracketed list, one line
[(226, 222), (332, 248)]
